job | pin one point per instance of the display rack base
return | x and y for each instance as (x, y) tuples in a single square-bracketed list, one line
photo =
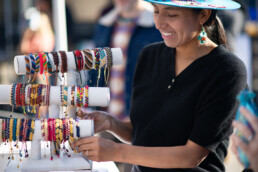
[(74, 163)]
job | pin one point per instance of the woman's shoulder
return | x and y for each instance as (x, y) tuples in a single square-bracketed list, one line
[(227, 60)]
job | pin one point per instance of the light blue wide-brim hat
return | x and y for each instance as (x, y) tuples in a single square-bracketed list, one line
[(203, 4)]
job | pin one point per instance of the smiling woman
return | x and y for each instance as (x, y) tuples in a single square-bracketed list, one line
[(183, 97)]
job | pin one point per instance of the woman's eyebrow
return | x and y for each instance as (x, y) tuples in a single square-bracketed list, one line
[(167, 7)]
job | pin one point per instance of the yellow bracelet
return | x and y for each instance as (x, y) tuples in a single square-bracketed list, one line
[(71, 129), (61, 130), (57, 129), (32, 130), (18, 128), (11, 130)]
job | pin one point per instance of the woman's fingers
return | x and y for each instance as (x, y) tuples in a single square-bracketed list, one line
[(239, 143), (243, 129)]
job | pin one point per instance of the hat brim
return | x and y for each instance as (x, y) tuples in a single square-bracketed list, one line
[(215, 4)]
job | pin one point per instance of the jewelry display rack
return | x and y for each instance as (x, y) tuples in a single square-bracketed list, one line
[(97, 96)]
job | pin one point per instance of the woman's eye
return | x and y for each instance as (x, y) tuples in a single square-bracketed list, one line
[(172, 15), (156, 12)]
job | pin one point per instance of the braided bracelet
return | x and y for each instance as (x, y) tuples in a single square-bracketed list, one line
[(17, 93), (109, 57), (49, 64), (18, 129), (12, 95), (65, 95), (72, 95), (27, 133), (86, 96), (44, 57), (27, 62), (64, 62), (32, 130), (88, 59), (10, 129), (36, 55), (41, 67), (56, 60), (14, 129), (33, 64)]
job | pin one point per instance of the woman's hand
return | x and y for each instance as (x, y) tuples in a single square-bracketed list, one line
[(97, 149), (102, 120), (251, 148)]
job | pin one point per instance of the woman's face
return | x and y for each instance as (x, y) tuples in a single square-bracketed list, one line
[(178, 26)]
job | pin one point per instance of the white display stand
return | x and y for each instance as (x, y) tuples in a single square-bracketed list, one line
[(36, 163), (20, 65), (98, 96)]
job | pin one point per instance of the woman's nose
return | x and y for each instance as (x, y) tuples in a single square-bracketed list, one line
[(160, 22)]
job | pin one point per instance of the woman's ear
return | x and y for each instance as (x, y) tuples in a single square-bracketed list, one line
[(204, 16)]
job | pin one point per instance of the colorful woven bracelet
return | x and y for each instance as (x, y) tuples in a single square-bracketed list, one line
[(65, 95), (41, 63), (11, 130), (32, 129), (86, 90), (37, 62), (27, 62), (14, 129), (72, 95), (88, 59), (33, 64), (44, 57)]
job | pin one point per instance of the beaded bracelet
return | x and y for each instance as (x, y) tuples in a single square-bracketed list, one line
[(29, 94), (18, 129), (27, 62), (102, 57), (72, 95), (49, 64), (61, 130), (21, 130), (11, 130), (14, 129), (4, 130), (53, 130), (64, 130), (97, 58), (49, 129), (78, 97), (36, 55), (61, 95), (46, 129), (32, 130), (23, 103), (7, 130), (1, 127), (86, 96), (65, 95), (17, 93), (12, 95), (71, 129), (41, 67), (77, 128), (57, 129), (27, 133), (64, 62), (81, 95), (88, 59)]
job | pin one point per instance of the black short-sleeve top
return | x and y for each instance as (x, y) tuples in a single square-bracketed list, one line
[(199, 104)]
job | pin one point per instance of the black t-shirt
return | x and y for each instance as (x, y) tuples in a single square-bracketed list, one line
[(199, 104)]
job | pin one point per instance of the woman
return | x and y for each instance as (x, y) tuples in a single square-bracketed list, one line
[(183, 99)]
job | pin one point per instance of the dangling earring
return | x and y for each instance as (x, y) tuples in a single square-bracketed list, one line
[(203, 36)]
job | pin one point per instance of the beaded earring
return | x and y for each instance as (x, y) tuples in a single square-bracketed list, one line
[(203, 36)]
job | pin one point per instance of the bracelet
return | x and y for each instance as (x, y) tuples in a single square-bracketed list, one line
[(18, 129), (62, 94), (57, 129), (27, 62), (109, 57), (12, 99), (81, 95), (48, 95), (75, 60), (56, 60), (33, 64), (78, 55), (64, 129), (102, 57), (18, 94), (1, 127), (36, 55), (21, 130), (49, 129), (86, 96), (71, 130), (61, 130), (72, 95), (46, 129), (77, 128), (32, 129), (24, 131), (41, 68), (97, 58), (10, 129), (88, 59), (44, 56), (28, 130), (78, 97), (49, 64), (14, 129), (64, 62), (65, 98)]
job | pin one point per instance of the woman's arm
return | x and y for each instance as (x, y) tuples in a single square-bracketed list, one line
[(105, 122), (99, 149)]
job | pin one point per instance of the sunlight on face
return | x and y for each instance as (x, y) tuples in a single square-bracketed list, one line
[(178, 26)]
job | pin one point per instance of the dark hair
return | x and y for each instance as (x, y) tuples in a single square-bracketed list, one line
[(214, 28)]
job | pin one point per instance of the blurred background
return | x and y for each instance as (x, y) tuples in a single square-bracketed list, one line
[(28, 26)]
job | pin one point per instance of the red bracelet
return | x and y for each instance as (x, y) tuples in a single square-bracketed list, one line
[(79, 57), (53, 129), (41, 63), (49, 129), (18, 94)]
